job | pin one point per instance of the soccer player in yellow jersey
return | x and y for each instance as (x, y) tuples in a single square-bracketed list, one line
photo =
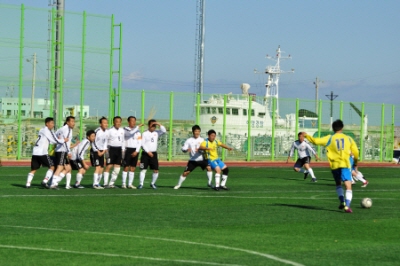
[(210, 147), (339, 147)]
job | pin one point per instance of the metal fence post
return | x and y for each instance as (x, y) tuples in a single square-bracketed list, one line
[(273, 129), (249, 129), (171, 123)]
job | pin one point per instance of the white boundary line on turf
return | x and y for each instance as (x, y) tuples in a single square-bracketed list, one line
[(115, 255), (265, 255)]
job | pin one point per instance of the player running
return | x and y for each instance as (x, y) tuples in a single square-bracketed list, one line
[(339, 147), (210, 146), (149, 153), (40, 155), (78, 157), (192, 146), (303, 151), (357, 175)]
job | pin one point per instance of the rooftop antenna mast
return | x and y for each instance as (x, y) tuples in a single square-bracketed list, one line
[(272, 85), (200, 34)]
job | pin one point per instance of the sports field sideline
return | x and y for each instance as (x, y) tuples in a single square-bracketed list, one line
[(271, 216)]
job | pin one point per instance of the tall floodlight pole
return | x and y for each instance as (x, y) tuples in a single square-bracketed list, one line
[(331, 97), (199, 71), (57, 107), (316, 83), (33, 83)]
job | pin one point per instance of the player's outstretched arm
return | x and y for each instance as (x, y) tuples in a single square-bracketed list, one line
[(226, 147), (317, 141)]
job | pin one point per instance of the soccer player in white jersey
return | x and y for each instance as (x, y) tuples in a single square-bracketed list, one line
[(63, 154), (40, 155), (303, 151), (116, 151), (192, 146), (78, 157), (355, 174), (99, 148), (133, 142), (149, 154)]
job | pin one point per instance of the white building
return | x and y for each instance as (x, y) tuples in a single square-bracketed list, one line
[(41, 108)]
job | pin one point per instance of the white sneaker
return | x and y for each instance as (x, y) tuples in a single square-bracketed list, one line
[(131, 187), (177, 187), (68, 187), (123, 186)]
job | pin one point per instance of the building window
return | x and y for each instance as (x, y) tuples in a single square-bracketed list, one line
[(203, 110), (220, 110), (208, 110), (235, 111), (252, 112), (228, 111), (22, 112), (244, 112), (214, 110)]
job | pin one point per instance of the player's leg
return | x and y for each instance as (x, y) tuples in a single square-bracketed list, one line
[(360, 177), (298, 167), (78, 165), (127, 165), (124, 175), (68, 175), (144, 164), (154, 167), (339, 189), (116, 160), (191, 165), (35, 164), (59, 174), (225, 171), (50, 171), (131, 177), (309, 169), (217, 169)]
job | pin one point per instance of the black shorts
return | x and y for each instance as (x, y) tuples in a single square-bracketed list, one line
[(146, 161), (62, 158), (96, 160), (76, 164), (129, 160), (300, 162), (191, 165), (114, 155), (39, 160)]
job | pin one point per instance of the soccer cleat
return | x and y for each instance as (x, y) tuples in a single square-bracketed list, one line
[(123, 186), (314, 180), (153, 186), (27, 186), (140, 187), (348, 210), (210, 185), (67, 187), (78, 186), (97, 187), (131, 187), (342, 205), (365, 184), (44, 184), (224, 187), (305, 175), (177, 187), (54, 187), (216, 188)]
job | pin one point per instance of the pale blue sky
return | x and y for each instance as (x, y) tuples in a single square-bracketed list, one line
[(353, 46)]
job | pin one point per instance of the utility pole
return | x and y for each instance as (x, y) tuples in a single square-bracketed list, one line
[(316, 82), (331, 97), (33, 83)]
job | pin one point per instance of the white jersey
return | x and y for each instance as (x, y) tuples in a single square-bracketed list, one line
[(133, 138), (78, 152), (64, 132), (116, 137), (45, 137), (150, 139), (101, 141), (193, 144), (303, 149)]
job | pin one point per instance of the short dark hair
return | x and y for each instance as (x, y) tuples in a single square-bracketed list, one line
[(337, 125), (195, 127), (151, 121), (211, 131), (130, 117), (101, 119), (69, 118), (90, 132), (48, 119), (298, 135), (116, 117)]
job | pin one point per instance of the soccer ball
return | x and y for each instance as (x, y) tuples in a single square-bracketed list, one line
[(366, 203)]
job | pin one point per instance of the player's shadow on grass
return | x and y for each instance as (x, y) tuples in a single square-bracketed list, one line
[(193, 188), (304, 207), (23, 186)]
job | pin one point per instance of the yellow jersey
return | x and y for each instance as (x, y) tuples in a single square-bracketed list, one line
[(339, 146), (213, 153)]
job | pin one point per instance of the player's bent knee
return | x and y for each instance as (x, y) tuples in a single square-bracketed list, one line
[(143, 171), (225, 171), (116, 170)]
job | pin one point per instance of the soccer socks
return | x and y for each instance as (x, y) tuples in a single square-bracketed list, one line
[(29, 179), (209, 176), (217, 180), (48, 175), (349, 197), (131, 177), (68, 179), (154, 180), (124, 176), (106, 175), (78, 178), (114, 175), (224, 179), (302, 171), (181, 179), (339, 192), (360, 177), (95, 179), (142, 176), (311, 172)]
